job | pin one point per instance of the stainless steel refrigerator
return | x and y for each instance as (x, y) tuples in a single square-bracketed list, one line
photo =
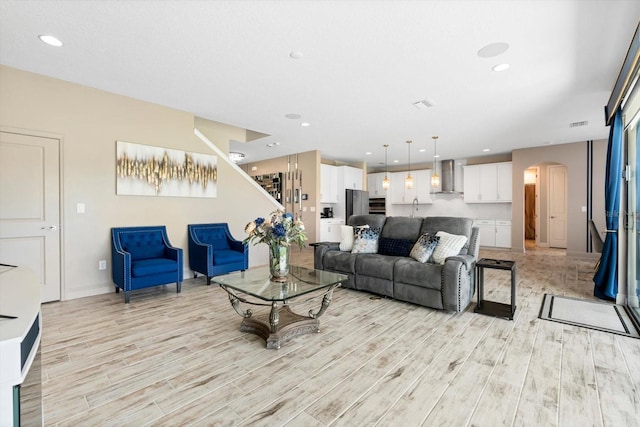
[(357, 203)]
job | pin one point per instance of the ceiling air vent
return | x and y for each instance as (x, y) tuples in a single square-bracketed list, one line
[(424, 104), (577, 124)]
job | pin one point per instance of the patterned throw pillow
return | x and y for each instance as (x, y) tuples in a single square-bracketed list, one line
[(365, 240), (346, 238), (394, 247), (423, 249), (449, 245)]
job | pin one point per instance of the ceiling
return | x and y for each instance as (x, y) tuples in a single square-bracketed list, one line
[(356, 71)]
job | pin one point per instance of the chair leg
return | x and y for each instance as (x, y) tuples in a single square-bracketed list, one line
[(195, 274), (179, 287), (126, 297), (117, 290), (208, 281)]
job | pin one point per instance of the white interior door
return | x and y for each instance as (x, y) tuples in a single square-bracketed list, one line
[(30, 207), (558, 206)]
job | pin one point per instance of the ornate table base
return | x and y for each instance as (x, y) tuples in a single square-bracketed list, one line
[(255, 287), (290, 325), (282, 324)]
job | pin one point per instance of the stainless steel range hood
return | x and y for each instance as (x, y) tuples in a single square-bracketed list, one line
[(448, 178)]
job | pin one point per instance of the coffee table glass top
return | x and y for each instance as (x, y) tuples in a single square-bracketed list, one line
[(301, 280)]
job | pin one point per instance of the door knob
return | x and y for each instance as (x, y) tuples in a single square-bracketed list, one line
[(49, 227)]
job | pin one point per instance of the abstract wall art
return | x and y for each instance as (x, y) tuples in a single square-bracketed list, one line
[(144, 170)]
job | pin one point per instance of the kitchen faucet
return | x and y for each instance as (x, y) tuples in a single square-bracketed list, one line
[(414, 203)]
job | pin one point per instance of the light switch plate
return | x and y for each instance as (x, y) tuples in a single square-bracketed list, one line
[(80, 208)]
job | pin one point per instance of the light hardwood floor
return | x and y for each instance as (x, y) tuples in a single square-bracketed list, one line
[(172, 359)]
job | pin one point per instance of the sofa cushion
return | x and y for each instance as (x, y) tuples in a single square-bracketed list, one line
[(424, 247), (394, 247), (365, 240), (227, 256), (372, 220), (399, 227), (346, 238), (143, 244), (451, 225), (214, 236), (412, 272), (375, 265), (152, 266), (449, 245), (340, 261)]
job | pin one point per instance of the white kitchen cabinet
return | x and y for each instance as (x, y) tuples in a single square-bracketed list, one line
[(328, 184), (400, 195), (487, 228), (503, 234), (488, 183), (505, 177), (330, 229), (374, 185), (494, 232), (349, 178), (422, 185)]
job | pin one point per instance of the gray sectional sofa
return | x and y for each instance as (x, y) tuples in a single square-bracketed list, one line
[(449, 286)]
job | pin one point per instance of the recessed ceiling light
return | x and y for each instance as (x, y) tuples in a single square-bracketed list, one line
[(500, 67), (396, 161), (493, 49), (295, 55), (368, 153), (305, 124), (50, 40), (436, 156), (292, 116), (422, 150), (486, 149)]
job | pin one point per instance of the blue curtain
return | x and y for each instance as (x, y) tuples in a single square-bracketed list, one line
[(637, 210), (606, 278)]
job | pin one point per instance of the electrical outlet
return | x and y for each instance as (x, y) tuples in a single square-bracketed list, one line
[(102, 264)]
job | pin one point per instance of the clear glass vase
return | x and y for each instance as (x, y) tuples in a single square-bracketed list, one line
[(279, 262)]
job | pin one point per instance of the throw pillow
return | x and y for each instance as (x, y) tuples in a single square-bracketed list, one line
[(365, 240), (346, 238), (424, 247), (449, 245), (394, 247)]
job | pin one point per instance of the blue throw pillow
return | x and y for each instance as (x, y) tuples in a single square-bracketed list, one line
[(424, 247), (394, 247)]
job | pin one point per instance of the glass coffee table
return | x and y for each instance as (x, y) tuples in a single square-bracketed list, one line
[(254, 287)]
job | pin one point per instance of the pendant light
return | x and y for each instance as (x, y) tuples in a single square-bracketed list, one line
[(386, 182), (408, 181), (435, 178)]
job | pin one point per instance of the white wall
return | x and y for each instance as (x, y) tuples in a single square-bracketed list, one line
[(89, 122)]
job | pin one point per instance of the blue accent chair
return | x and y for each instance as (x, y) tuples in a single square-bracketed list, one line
[(213, 251), (142, 257)]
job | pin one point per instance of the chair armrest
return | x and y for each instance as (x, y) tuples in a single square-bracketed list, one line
[(237, 245), (172, 252), (121, 268), (320, 249), (176, 255), (458, 282), (468, 260)]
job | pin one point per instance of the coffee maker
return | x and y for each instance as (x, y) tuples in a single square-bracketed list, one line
[(327, 213)]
